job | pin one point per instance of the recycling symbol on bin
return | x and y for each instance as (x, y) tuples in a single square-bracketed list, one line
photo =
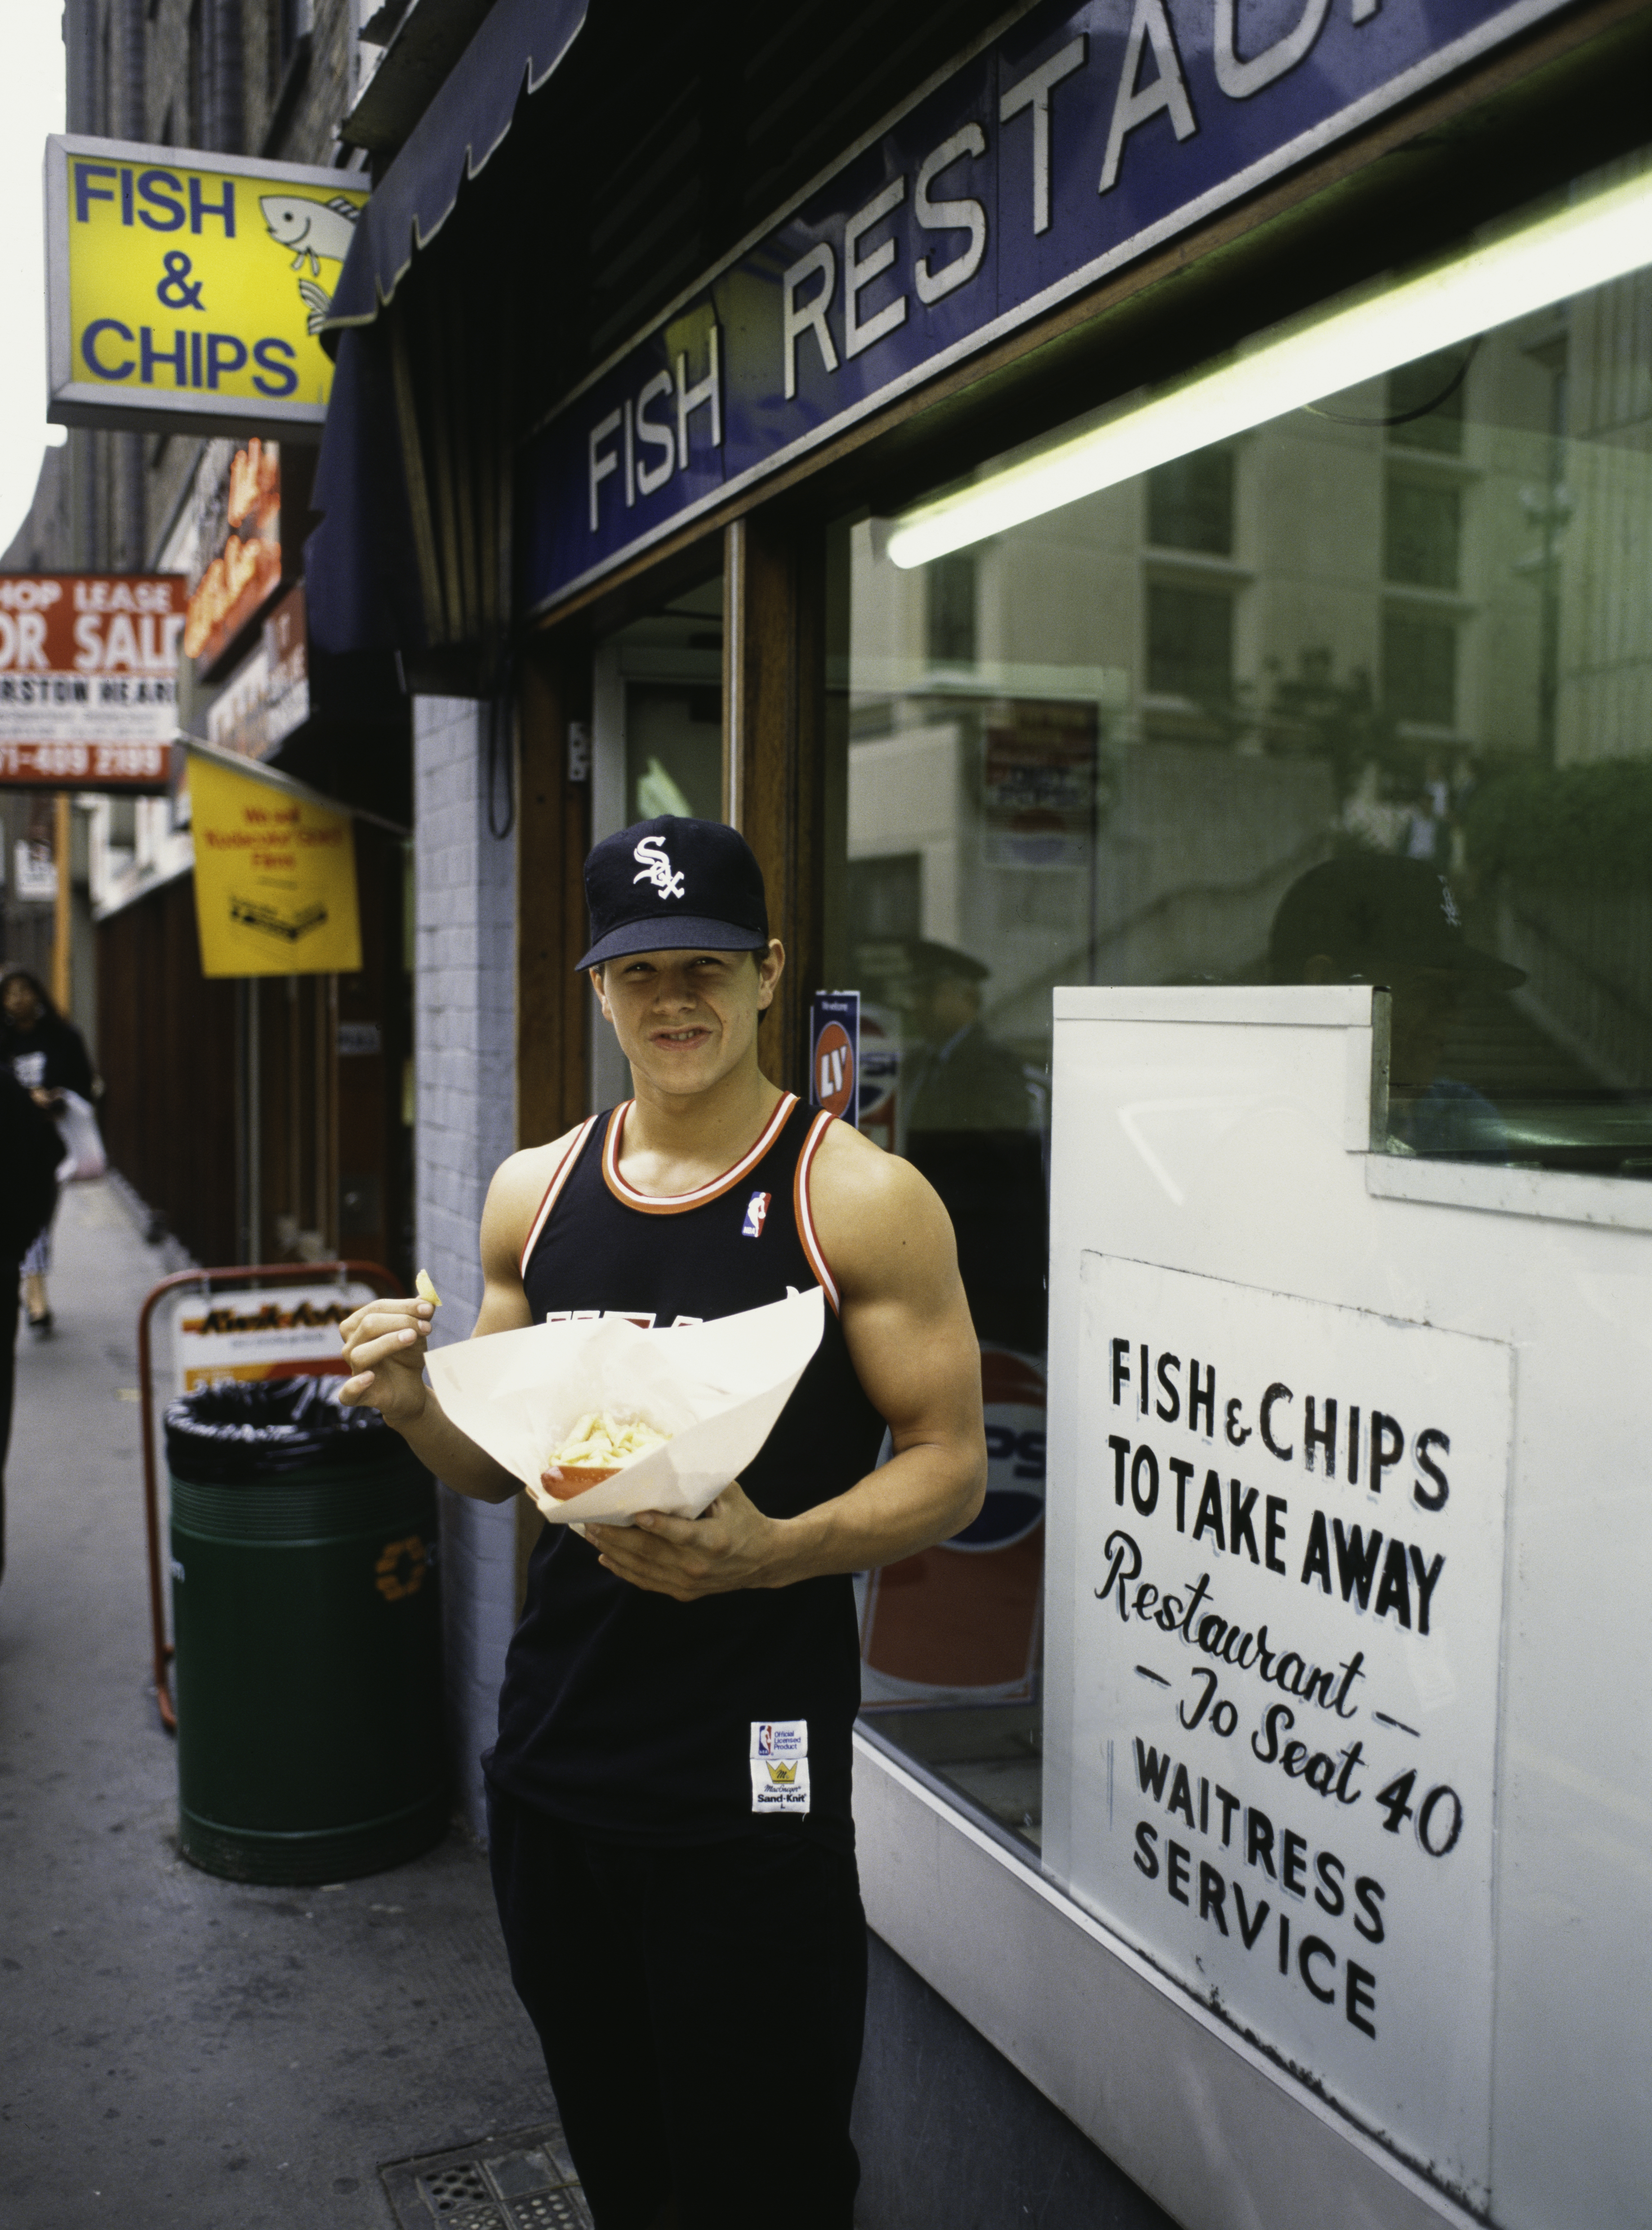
[(401, 1567)]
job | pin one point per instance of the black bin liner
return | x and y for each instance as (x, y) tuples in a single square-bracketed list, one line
[(247, 1431)]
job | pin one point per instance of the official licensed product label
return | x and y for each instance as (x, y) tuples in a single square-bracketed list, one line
[(779, 1762)]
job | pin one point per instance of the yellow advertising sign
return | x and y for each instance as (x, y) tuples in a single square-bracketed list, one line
[(189, 291), (274, 878)]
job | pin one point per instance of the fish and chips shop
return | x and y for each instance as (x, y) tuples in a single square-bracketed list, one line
[(1138, 510)]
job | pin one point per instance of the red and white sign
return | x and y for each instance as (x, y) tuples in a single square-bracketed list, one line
[(962, 1622), (275, 1332), (88, 677), (87, 766), (834, 1069)]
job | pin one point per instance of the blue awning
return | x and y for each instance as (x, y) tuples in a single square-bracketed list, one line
[(365, 589), (361, 581), (519, 45)]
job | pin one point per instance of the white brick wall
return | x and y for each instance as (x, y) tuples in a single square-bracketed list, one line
[(465, 1034)]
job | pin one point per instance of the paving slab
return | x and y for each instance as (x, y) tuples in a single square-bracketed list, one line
[(178, 2053)]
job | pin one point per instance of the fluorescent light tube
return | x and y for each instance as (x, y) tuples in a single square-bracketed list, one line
[(1320, 354)]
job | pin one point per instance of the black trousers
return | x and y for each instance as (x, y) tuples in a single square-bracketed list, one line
[(700, 2009)]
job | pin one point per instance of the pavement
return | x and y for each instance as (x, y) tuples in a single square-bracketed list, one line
[(178, 2053)]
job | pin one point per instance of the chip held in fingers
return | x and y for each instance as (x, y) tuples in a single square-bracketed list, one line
[(597, 1447), (425, 1286)]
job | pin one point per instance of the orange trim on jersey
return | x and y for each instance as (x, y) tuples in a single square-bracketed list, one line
[(806, 1233), (676, 1202), (553, 1191)]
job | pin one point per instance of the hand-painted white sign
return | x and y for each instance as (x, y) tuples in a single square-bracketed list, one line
[(1288, 1623)]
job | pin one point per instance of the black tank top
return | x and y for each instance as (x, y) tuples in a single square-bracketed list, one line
[(632, 1715)]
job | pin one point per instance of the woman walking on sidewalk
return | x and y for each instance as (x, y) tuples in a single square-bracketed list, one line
[(48, 1056)]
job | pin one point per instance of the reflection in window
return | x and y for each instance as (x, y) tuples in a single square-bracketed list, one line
[(1421, 532), (1407, 744), (1190, 503), (1425, 402), (1190, 643), (885, 897), (950, 585), (1420, 667)]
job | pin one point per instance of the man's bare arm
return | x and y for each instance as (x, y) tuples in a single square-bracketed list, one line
[(890, 1246), (385, 1341)]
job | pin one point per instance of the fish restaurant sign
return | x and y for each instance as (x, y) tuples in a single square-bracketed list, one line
[(1080, 138), (186, 292)]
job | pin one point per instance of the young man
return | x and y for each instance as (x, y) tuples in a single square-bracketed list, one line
[(684, 1926)]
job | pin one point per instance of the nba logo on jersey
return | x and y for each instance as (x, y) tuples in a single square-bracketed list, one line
[(756, 1210), (779, 1738)]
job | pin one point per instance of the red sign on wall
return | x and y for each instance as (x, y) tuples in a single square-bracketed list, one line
[(88, 678), (241, 558), (833, 1052), (85, 766)]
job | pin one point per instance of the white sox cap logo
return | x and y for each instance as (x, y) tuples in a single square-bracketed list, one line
[(656, 867)]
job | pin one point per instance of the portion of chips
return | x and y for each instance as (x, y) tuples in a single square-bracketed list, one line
[(605, 1442), (594, 1451), (423, 1286)]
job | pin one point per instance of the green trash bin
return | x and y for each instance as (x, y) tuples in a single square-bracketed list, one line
[(307, 1628)]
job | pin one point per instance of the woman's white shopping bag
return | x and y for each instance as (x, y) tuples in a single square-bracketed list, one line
[(717, 1389), (83, 1154)]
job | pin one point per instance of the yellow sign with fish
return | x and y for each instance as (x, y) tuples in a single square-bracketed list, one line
[(189, 291)]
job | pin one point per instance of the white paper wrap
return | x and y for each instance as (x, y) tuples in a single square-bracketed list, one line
[(716, 1388)]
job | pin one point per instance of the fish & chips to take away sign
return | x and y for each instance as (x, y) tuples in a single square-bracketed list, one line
[(88, 679), (190, 290), (1287, 1596), (274, 878)]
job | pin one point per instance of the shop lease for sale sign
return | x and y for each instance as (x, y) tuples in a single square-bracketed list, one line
[(88, 678), (1289, 1591), (189, 290)]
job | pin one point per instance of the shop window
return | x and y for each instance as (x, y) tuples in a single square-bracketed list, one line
[(1190, 504), (950, 593), (656, 747), (886, 898), (1426, 402), (1420, 667), (1190, 643), (1421, 532), (1147, 801)]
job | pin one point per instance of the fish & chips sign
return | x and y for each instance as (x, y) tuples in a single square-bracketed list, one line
[(189, 293), (1289, 1594)]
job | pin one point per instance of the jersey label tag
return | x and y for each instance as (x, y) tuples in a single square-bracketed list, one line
[(757, 1209), (780, 1765)]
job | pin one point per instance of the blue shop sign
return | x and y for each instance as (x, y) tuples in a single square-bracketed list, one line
[(1080, 138)]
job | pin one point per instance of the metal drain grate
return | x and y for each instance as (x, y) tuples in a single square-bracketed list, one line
[(551, 2210), (451, 2188), (523, 2181)]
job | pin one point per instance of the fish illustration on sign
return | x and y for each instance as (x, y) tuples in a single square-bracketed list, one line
[(318, 232)]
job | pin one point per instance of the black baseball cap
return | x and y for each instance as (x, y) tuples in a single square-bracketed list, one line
[(1369, 912), (669, 883)]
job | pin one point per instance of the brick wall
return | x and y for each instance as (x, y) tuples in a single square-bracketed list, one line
[(465, 1025)]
